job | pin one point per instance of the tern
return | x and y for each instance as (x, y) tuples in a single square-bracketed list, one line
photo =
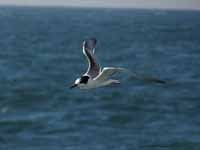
[(95, 76)]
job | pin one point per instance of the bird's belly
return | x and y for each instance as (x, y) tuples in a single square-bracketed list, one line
[(90, 85)]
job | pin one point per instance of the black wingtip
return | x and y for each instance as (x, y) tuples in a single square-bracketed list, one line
[(90, 43), (92, 39), (155, 80), (160, 81)]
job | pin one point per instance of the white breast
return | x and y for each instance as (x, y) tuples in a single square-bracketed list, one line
[(90, 84)]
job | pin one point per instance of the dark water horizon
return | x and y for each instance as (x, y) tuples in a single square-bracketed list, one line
[(41, 55), (4, 6)]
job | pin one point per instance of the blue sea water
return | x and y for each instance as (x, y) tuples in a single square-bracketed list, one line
[(40, 56)]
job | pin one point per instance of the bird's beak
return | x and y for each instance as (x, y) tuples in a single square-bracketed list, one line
[(73, 86)]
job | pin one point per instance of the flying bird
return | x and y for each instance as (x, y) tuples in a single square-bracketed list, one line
[(95, 76)]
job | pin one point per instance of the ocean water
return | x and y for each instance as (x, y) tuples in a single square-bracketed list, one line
[(40, 56)]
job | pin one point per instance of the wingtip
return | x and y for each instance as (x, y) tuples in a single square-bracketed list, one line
[(155, 80), (93, 39), (90, 44)]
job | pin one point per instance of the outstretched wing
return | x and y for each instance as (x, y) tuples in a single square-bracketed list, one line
[(107, 72), (88, 50), (90, 44)]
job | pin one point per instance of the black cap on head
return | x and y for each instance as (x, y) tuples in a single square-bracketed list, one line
[(84, 79)]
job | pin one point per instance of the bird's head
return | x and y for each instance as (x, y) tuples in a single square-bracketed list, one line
[(83, 80)]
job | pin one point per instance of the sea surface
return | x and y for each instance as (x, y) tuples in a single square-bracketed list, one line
[(41, 56)]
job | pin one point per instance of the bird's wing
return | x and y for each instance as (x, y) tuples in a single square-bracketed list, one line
[(88, 50), (107, 72)]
